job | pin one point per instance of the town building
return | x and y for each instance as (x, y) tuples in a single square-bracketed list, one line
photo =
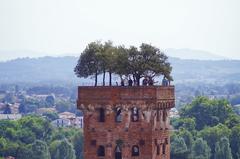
[(67, 119), (10, 116)]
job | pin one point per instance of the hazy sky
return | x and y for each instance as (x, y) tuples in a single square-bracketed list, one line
[(53, 27)]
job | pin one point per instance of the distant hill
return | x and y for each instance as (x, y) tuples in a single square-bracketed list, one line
[(34, 70), (178, 53), (60, 69), (193, 54), (208, 71)]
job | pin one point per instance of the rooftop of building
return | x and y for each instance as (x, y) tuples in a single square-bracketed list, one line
[(125, 94)]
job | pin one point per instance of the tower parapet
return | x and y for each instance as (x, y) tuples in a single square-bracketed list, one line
[(126, 122)]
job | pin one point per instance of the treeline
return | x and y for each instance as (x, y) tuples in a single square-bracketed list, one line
[(132, 62), (33, 137), (207, 129), (30, 103), (65, 91), (186, 92)]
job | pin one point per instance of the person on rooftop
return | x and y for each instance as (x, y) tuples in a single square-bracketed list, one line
[(150, 81), (165, 82), (145, 81), (130, 82), (122, 82)]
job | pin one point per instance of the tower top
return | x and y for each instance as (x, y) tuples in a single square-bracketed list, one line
[(154, 97), (126, 121)]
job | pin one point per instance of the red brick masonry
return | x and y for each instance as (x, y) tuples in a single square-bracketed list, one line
[(126, 122)]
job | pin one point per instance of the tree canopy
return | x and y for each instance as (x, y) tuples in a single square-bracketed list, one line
[(207, 112), (209, 128), (222, 149), (62, 150), (200, 149), (34, 137), (132, 62)]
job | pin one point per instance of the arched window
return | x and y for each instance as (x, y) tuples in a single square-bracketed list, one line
[(135, 115), (158, 150), (166, 140), (158, 115), (135, 150), (101, 151), (118, 153), (164, 115), (118, 115), (101, 115), (164, 149)]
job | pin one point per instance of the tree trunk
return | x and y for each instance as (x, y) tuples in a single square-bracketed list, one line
[(110, 78), (138, 79), (104, 73), (96, 74), (134, 80)]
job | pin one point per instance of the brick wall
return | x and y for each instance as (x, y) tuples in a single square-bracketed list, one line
[(150, 132)]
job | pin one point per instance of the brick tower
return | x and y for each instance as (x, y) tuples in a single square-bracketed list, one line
[(126, 122)]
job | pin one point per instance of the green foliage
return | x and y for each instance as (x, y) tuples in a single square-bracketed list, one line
[(200, 149), (8, 148), (185, 138), (3, 143), (207, 112), (108, 60), (64, 105), (147, 61), (62, 133), (232, 121), (222, 149), (30, 136), (25, 130), (89, 63), (51, 116), (101, 58), (188, 138), (186, 123), (50, 100), (178, 148), (39, 126), (122, 62), (216, 123), (11, 149), (78, 145), (235, 141), (40, 150), (62, 150), (214, 134), (6, 125), (24, 151), (29, 106), (26, 136)]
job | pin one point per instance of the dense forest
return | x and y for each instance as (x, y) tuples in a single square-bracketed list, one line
[(206, 129), (34, 137)]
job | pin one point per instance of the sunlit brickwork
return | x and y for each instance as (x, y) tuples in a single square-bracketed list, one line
[(126, 122)]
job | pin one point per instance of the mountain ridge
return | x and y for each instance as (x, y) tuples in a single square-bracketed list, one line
[(184, 53), (60, 69)]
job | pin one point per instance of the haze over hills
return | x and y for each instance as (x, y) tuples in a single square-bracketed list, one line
[(60, 69), (193, 54), (178, 53)]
